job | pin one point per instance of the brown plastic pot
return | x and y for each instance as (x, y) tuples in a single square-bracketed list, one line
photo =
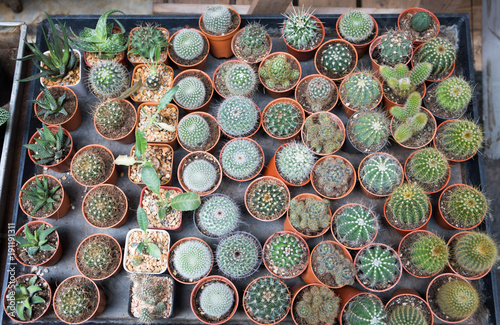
[(339, 210), (121, 221), (245, 307), (450, 265), (430, 116), (350, 188), (62, 166), (317, 59), (164, 56), (389, 103), (347, 294), (272, 170), (208, 157), (450, 161), (194, 296), (100, 305), (365, 191), (400, 253), (113, 176), (339, 123), (216, 75), (241, 58), (60, 211), (404, 232), (56, 255), (349, 111), (310, 277), (409, 181), (257, 172), (261, 179), (398, 294), (304, 55), (127, 138), (166, 69), (168, 188), (211, 121), (289, 227), (292, 136), (375, 66), (118, 265), (360, 48), (141, 184), (308, 78), (206, 105), (276, 234), (442, 222), (414, 10), (10, 287), (429, 80), (73, 121), (173, 143), (280, 93), (200, 64), (170, 267), (220, 45)]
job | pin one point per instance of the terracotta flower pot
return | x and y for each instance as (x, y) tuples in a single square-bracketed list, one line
[(317, 189), (433, 121), (72, 122), (288, 225), (450, 161), (261, 179), (113, 175), (375, 66), (404, 232), (410, 181), (323, 71), (167, 188), (129, 137), (413, 11), (441, 220), (285, 92), (272, 170), (360, 48), (122, 58), (214, 129), (173, 143), (348, 110), (336, 213), (364, 190), (217, 75), (339, 124), (123, 216), (347, 294), (166, 77), (244, 59), (305, 55), (430, 79), (410, 297), (209, 92), (455, 269), (59, 211), (170, 266), (199, 63), (257, 171), (63, 165), (167, 181), (132, 59), (118, 264), (304, 246), (389, 103), (193, 156), (295, 134), (220, 45), (308, 79)]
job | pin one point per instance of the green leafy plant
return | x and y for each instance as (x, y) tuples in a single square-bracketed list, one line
[(152, 81), (295, 162), (453, 94), (402, 81), (191, 93), (355, 226), (457, 299), (365, 310), (318, 305), (49, 147), (216, 299), (301, 30), (144, 246), (267, 300), (25, 297), (411, 119), (322, 133), (36, 241), (362, 91), (395, 47), (310, 215), (4, 116), (409, 205), (380, 174), (421, 21), (192, 259), (218, 215), (368, 129), (356, 26), (238, 255), (429, 254), (428, 168), (217, 19), (378, 266), (188, 44), (50, 105), (336, 58), (238, 116), (41, 195), (438, 51), (332, 262), (474, 252), (278, 72), (241, 159)]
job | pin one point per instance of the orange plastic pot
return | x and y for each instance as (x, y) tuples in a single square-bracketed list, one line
[(280, 93), (404, 232), (272, 170), (216, 75), (415, 55), (389, 103), (168, 188), (409, 181), (288, 225), (170, 266), (347, 294), (336, 213), (241, 58), (257, 171), (127, 138), (414, 10), (375, 66), (317, 58), (173, 143), (206, 105), (207, 156), (365, 191), (324, 195), (194, 296), (360, 48), (450, 161), (288, 101), (121, 221), (165, 68), (262, 179), (60, 211), (62, 166), (141, 184), (339, 123), (268, 241), (401, 253), (430, 116), (305, 55), (164, 55), (220, 45), (73, 122), (56, 255), (211, 121), (308, 78), (118, 265), (450, 265), (113, 176), (398, 294), (200, 64), (441, 220), (349, 111)]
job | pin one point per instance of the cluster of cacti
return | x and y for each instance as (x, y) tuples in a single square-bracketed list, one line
[(362, 91), (110, 115), (378, 265), (309, 215), (193, 131), (240, 79), (323, 134), (407, 314), (336, 58), (216, 299), (428, 254), (464, 206), (369, 129), (192, 259), (457, 299), (97, 255), (238, 116), (282, 119), (301, 31), (295, 162), (253, 39), (108, 79), (218, 215), (199, 175), (318, 93), (101, 207), (395, 47), (88, 166), (191, 92), (421, 21), (474, 252), (188, 44), (411, 118), (285, 251), (356, 26), (49, 147), (267, 300), (145, 39), (278, 72), (267, 199), (238, 255), (427, 167), (318, 305), (380, 174), (152, 296), (241, 158), (72, 301), (47, 104), (402, 81), (439, 52), (453, 94), (332, 261), (355, 225), (365, 310), (217, 19), (409, 205), (333, 174)]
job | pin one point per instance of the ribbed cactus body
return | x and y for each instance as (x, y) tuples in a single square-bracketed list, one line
[(453, 94), (440, 52), (474, 252), (199, 176), (355, 226), (322, 134), (253, 39), (428, 254), (240, 79), (188, 44), (457, 299), (336, 58), (267, 300), (407, 314), (72, 302), (282, 119), (193, 131), (333, 174), (411, 118), (278, 72), (191, 92), (380, 174), (365, 310), (241, 158), (218, 215), (88, 166), (238, 255), (285, 251), (309, 215), (238, 116), (465, 206), (217, 19), (97, 255), (318, 305), (394, 48), (294, 163), (318, 93), (356, 26), (362, 90), (378, 266), (110, 115), (409, 205), (427, 167), (460, 139), (331, 261), (108, 79), (192, 259), (421, 21), (301, 31), (368, 129), (216, 299), (267, 199)]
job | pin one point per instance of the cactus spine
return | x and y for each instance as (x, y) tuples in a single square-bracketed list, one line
[(318, 305), (218, 215), (378, 266), (240, 79), (191, 93), (241, 159), (457, 299), (365, 309), (355, 226), (217, 19), (72, 302), (460, 139), (145, 39), (369, 129), (108, 79), (411, 119), (322, 133), (465, 206), (309, 216), (216, 299), (253, 39), (440, 52), (282, 119), (356, 26), (110, 115), (334, 176), (238, 116), (409, 205), (318, 93), (453, 94), (402, 81), (474, 252), (152, 294), (336, 58), (97, 255), (394, 48), (332, 261), (188, 44), (101, 207), (427, 167), (278, 72), (301, 30), (381, 173), (407, 315), (362, 91), (192, 259), (193, 131), (200, 176), (429, 254), (267, 300), (267, 199), (238, 255), (88, 167), (294, 163)]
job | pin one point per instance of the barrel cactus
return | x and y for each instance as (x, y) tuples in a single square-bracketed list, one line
[(239, 78), (407, 314), (457, 299), (218, 215), (355, 225), (216, 299), (310, 216), (301, 31), (336, 58), (410, 118), (193, 131), (282, 119), (368, 131), (378, 267), (395, 47), (188, 44), (89, 167), (217, 19), (333, 177), (333, 265), (200, 176), (191, 93), (241, 159), (294, 163), (97, 255), (101, 207), (465, 206), (428, 254), (192, 259), (238, 116), (361, 91), (267, 199), (108, 79), (454, 94), (474, 252), (409, 206), (238, 255), (253, 39), (440, 52), (278, 72), (356, 26), (322, 134), (381, 173), (72, 301), (402, 81), (267, 300), (318, 93), (317, 305), (421, 21), (365, 309), (428, 168), (285, 251)]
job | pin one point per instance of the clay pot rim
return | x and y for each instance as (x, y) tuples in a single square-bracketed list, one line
[(55, 128), (311, 176), (168, 188), (375, 27), (263, 178), (205, 116), (35, 222), (317, 22), (182, 164), (449, 244), (190, 67), (416, 296), (407, 230), (288, 55), (431, 80), (128, 133), (204, 75), (96, 188), (227, 35), (358, 110), (311, 76), (117, 268), (431, 192), (171, 105), (66, 89), (415, 10), (302, 196), (152, 144), (240, 31), (444, 154), (440, 212), (87, 147), (372, 155), (333, 41), (344, 250), (283, 100), (131, 33), (257, 172), (215, 76), (25, 184), (429, 114), (338, 211), (177, 243), (339, 123), (142, 65)]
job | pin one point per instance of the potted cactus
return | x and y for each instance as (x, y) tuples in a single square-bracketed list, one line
[(279, 73), (43, 196), (378, 267), (308, 215), (241, 159), (142, 39), (239, 116), (316, 93), (336, 59), (354, 226), (195, 90), (428, 168), (108, 79), (449, 98), (331, 265), (267, 198), (151, 297), (189, 260), (235, 78), (78, 299), (323, 133), (37, 244), (420, 24), (105, 206), (315, 304), (407, 307), (93, 165), (292, 163), (367, 131), (199, 172), (390, 49), (362, 308), (58, 105), (282, 119), (472, 254), (302, 33), (285, 254), (333, 177), (423, 254), (198, 131), (217, 215), (116, 120), (251, 44), (360, 91), (238, 255), (98, 257), (439, 52), (189, 49), (379, 173), (266, 300), (358, 28)]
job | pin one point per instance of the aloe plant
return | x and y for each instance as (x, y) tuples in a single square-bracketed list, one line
[(49, 147), (35, 241), (24, 298)]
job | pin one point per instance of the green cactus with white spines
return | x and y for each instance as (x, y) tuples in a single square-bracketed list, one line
[(429, 254), (402, 81), (267, 300), (421, 21), (355, 226), (439, 52), (318, 93), (72, 301), (193, 131), (356, 26), (151, 294), (285, 251), (267, 199), (362, 90), (108, 79), (217, 19), (199, 176), (101, 207), (110, 115), (282, 119), (407, 314), (188, 44), (191, 92), (365, 310), (97, 255), (453, 94), (427, 167), (240, 79), (295, 162), (378, 266), (192, 259), (238, 255), (369, 128), (301, 31), (395, 47), (461, 138), (253, 39), (238, 116), (409, 204), (411, 118), (336, 58), (278, 72), (474, 252), (216, 299), (218, 215), (333, 173), (145, 39), (318, 305), (323, 135), (332, 261), (88, 166), (457, 299), (241, 158), (465, 206), (309, 215), (380, 174)]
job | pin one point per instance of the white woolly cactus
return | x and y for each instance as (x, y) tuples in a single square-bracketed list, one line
[(356, 26), (238, 116), (216, 299), (218, 215), (188, 44), (191, 92), (294, 163), (193, 131), (192, 259), (217, 19), (199, 176), (241, 80), (241, 158)]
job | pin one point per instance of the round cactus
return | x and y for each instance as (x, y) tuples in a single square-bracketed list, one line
[(465, 206), (378, 266), (356, 26), (238, 116), (457, 299), (318, 93), (71, 302), (108, 79), (191, 93), (240, 79), (241, 159), (282, 119), (355, 226), (216, 299), (267, 300), (193, 131), (89, 167), (238, 255), (331, 263), (474, 252), (421, 21), (428, 254), (253, 39), (309, 216), (322, 134), (440, 52), (453, 94), (144, 39), (395, 47), (460, 139), (200, 176), (188, 44), (192, 259), (217, 19), (361, 91), (97, 255), (409, 205), (285, 251), (278, 72), (218, 215), (110, 115), (101, 207), (407, 314), (368, 131), (334, 177), (428, 168), (365, 310), (267, 199), (318, 305), (381, 173), (301, 31), (294, 163), (336, 58)]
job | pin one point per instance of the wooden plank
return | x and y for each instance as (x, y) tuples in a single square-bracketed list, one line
[(476, 15), (327, 3), (477, 50), (339, 11), (266, 7), (189, 8)]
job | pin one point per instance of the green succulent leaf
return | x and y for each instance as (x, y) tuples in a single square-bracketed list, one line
[(186, 201), (153, 250), (142, 219)]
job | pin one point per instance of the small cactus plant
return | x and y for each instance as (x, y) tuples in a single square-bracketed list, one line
[(192, 259), (96, 255), (217, 19), (241, 159), (336, 58), (301, 31), (355, 226), (402, 81), (378, 267), (72, 302), (318, 93), (154, 297), (421, 21), (361, 91), (238, 116), (322, 134), (428, 254), (294, 163), (110, 115), (365, 309), (381, 173), (238, 255), (278, 72), (333, 177), (239, 79), (200, 175), (457, 299), (188, 44), (74, 299), (463, 206), (282, 119), (102, 207), (218, 215), (191, 93), (318, 305), (410, 119), (428, 168), (216, 299), (89, 167), (356, 26), (145, 39), (253, 40), (395, 47), (108, 79), (332, 267), (474, 252), (454, 94), (440, 52), (368, 131), (285, 254), (309, 216), (267, 199), (267, 300), (409, 206), (407, 314), (193, 131)]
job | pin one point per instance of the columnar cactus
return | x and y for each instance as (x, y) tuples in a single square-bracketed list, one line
[(465, 206), (72, 301), (218, 215), (294, 162), (238, 116), (411, 118), (409, 205), (331, 261), (365, 310), (97, 255), (108, 79), (88, 166), (267, 300), (188, 44), (285, 251), (427, 167), (278, 72), (267, 199), (440, 52), (370, 129), (402, 81), (378, 266), (394, 48), (309, 216), (216, 299), (241, 159), (318, 93), (301, 31), (421, 21), (240, 79), (145, 39), (192, 259), (407, 314), (110, 115), (200, 176), (282, 119), (193, 131), (322, 134), (457, 299), (253, 39), (355, 226), (474, 252), (191, 92), (356, 26), (238, 255), (362, 91), (318, 305), (453, 94), (334, 175), (380, 174), (101, 207), (217, 19), (336, 58), (428, 254)]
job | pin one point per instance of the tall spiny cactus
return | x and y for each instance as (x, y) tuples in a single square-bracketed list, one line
[(402, 81), (411, 118)]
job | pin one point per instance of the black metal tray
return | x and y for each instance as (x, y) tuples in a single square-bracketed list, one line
[(73, 228)]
